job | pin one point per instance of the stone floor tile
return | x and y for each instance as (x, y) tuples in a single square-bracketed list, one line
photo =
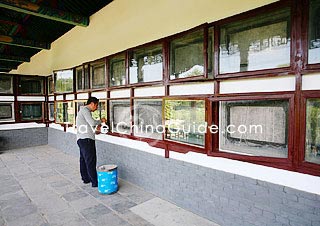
[(134, 219), (110, 219), (94, 212), (30, 220), (71, 196), (122, 207), (84, 203), (18, 210)]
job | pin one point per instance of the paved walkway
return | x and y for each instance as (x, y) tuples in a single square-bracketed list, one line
[(41, 186)]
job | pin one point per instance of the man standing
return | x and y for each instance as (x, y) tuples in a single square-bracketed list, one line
[(86, 127)]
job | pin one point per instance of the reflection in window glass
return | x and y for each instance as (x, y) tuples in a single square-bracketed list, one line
[(6, 84), (65, 112), (312, 150), (186, 56), (261, 42), (51, 111), (210, 52), (60, 112), (86, 77), (31, 111), (146, 64), (69, 108), (64, 81), (148, 118), (258, 128), (314, 32), (101, 112), (31, 85), (79, 71), (120, 116), (98, 75), (6, 111), (117, 70), (50, 85), (80, 104), (185, 121)]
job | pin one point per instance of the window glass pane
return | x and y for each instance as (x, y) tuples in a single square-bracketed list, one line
[(60, 117), (258, 128), (312, 153), (51, 111), (64, 81), (79, 71), (185, 121), (120, 116), (146, 64), (6, 84), (117, 70), (69, 108), (260, 42), (50, 85), (6, 111), (148, 118), (31, 85), (31, 111), (314, 32), (186, 56), (98, 75), (86, 77), (101, 112), (80, 104), (210, 52)]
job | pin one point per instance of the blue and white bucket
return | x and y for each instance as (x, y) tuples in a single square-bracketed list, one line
[(107, 179)]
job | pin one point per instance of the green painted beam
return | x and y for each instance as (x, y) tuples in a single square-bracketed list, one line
[(27, 7), (4, 68), (8, 40), (14, 58)]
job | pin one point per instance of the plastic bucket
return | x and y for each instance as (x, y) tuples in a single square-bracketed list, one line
[(107, 179)]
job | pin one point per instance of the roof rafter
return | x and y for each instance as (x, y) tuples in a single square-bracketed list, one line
[(14, 58), (8, 40), (27, 7)]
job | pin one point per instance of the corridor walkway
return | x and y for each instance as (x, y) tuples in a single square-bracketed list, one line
[(41, 186)]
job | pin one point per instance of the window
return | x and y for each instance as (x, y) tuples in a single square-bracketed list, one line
[(314, 32), (79, 104), (51, 111), (60, 113), (79, 71), (6, 84), (117, 70), (312, 146), (98, 73), (120, 116), (64, 81), (254, 127), (187, 56), (101, 112), (50, 85), (185, 121), (32, 111), (261, 42), (6, 111), (65, 112), (210, 52), (148, 118), (31, 85), (146, 64), (86, 79)]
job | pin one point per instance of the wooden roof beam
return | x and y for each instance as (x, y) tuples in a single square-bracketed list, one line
[(14, 58), (27, 7), (8, 40)]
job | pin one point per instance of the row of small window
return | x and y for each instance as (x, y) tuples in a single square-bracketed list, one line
[(26, 85), (261, 42), (27, 111), (249, 127)]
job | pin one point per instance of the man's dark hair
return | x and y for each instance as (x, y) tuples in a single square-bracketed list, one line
[(92, 99)]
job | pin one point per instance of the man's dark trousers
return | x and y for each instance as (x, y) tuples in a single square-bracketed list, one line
[(88, 161)]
